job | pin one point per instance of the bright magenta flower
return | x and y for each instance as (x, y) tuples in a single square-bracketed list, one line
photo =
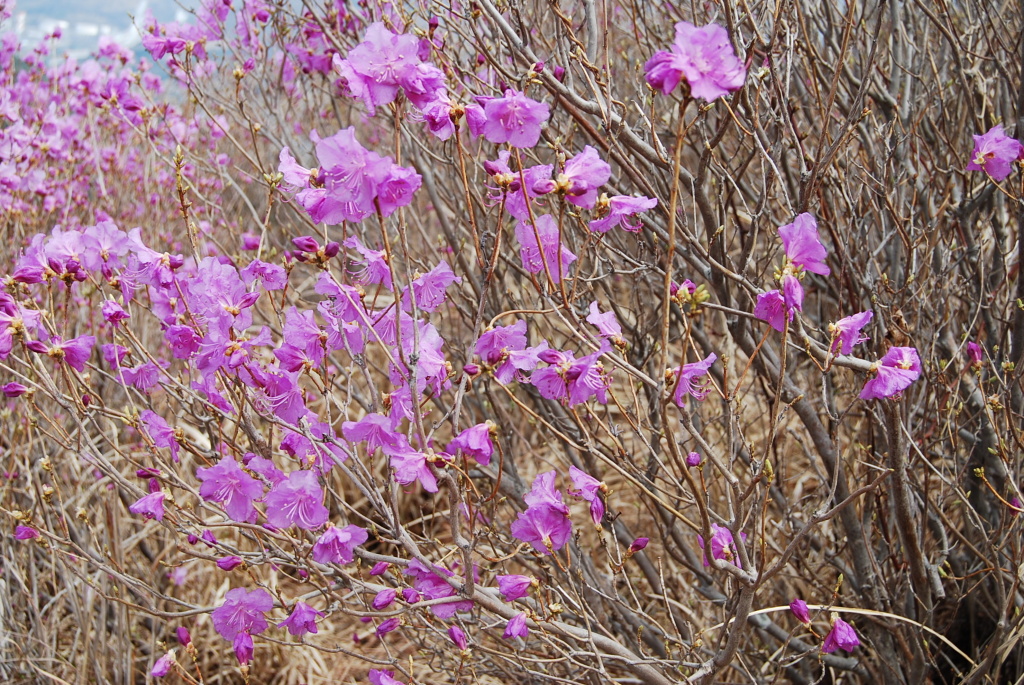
[(846, 332), (336, 544), (242, 612), (994, 153), (802, 244), (228, 484), (895, 372), (800, 611), (545, 524), (514, 119), (689, 376), (302, 619), (842, 636), (516, 627), (515, 587), (298, 501), (703, 58)]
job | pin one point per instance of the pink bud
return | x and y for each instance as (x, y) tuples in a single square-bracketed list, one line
[(229, 563), (457, 636), (638, 545), (306, 243), (693, 459), (12, 390), (183, 636), (800, 611)]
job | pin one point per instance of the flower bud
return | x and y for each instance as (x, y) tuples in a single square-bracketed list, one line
[(12, 390), (457, 637), (183, 636), (306, 243), (229, 563), (638, 545)]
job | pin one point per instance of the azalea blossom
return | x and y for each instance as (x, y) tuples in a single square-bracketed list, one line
[(297, 501), (242, 612), (803, 246), (994, 153), (894, 373), (846, 332), (703, 58), (842, 636)]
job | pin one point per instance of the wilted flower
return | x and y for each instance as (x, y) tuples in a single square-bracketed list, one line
[(842, 636), (25, 533), (994, 153)]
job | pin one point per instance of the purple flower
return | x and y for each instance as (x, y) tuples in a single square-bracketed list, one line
[(515, 587), (184, 637), (974, 353), (579, 182), (387, 626), (229, 563), (638, 544), (75, 352), (771, 307), (151, 506), (113, 312), (495, 347), (25, 533), (242, 613), (383, 678), (430, 288), (514, 119), (802, 245), (516, 627), (895, 372), (474, 442), (428, 581), (846, 332), (792, 293), (457, 637), (383, 599), (243, 646), (618, 210), (12, 390), (380, 568), (297, 501), (227, 483), (375, 429), (410, 595), (693, 459), (800, 611), (703, 57), (545, 524), (688, 375), (159, 432), (411, 465), (163, 665), (723, 546), (556, 256), (994, 153), (588, 488), (336, 544), (606, 323), (842, 636), (302, 620)]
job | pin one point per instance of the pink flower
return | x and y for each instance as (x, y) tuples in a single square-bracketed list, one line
[(556, 256), (411, 465), (151, 506), (383, 678), (336, 544), (163, 665), (580, 180), (25, 533), (703, 57), (723, 545), (302, 620), (113, 312), (160, 433), (693, 459), (621, 210), (514, 119), (516, 627), (387, 626), (242, 613), (606, 323), (802, 245), (842, 636), (383, 599), (846, 332), (688, 375), (975, 354), (297, 501), (588, 488), (229, 563), (13, 389), (895, 372), (457, 637), (771, 307), (994, 153), (515, 587), (243, 646), (474, 442), (800, 611), (545, 524), (228, 484), (428, 581)]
